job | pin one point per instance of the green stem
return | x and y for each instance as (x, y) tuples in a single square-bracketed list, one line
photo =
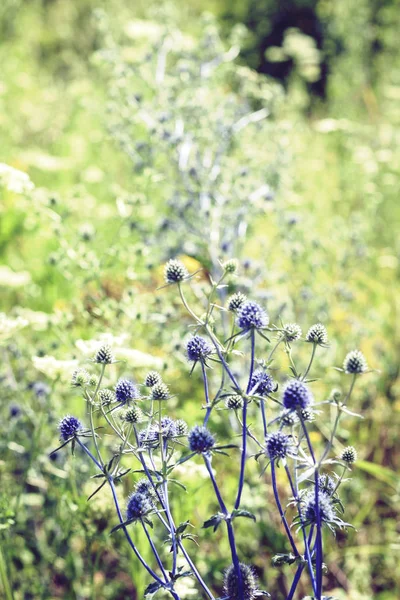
[(4, 577)]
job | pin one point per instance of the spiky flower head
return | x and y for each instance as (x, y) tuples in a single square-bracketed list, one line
[(349, 455), (236, 301), (326, 484), (296, 395), (232, 584), (335, 395), (80, 378), (69, 427), (326, 509), (93, 380), (104, 355), (148, 437), (133, 414), (181, 427), (160, 391), (125, 391), (168, 428), (144, 487), (307, 414), (138, 506), (288, 418), (317, 334), (278, 445), (175, 271), (234, 402), (251, 316), (355, 362), (230, 266), (200, 439), (261, 382), (106, 396), (292, 332), (152, 378), (198, 348)]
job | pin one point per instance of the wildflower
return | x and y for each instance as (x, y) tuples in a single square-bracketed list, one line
[(317, 334), (261, 383), (133, 414), (296, 395), (234, 402), (69, 427), (152, 378), (144, 487), (148, 437), (252, 316), (138, 506), (291, 332), (200, 439), (160, 391), (198, 348), (106, 396), (80, 378), (168, 428), (236, 301), (175, 271), (349, 455), (93, 380), (230, 266), (355, 363), (126, 390), (181, 427), (104, 355), (307, 414), (279, 445), (249, 583), (326, 509), (288, 418)]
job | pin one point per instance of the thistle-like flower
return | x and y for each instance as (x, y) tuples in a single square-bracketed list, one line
[(296, 395), (236, 301), (326, 484), (198, 349), (80, 378), (160, 391), (106, 396), (138, 506), (326, 508), (144, 487), (355, 363), (104, 355), (261, 383), (234, 402), (152, 378), (278, 445), (288, 418), (181, 427), (230, 266), (133, 414), (291, 332), (349, 455), (69, 427), (251, 316), (175, 271), (317, 334), (200, 439), (125, 391), (232, 586)]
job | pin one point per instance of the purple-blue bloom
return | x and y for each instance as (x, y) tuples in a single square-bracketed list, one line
[(69, 427), (252, 316), (296, 395), (200, 439)]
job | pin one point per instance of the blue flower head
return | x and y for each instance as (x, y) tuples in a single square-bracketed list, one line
[(251, 316), (175, 271), (139, 505), (232, 586), (326, 509), (279, 445), (69, 427), (198, 348), (264, 382), (200, 439), (326, 484), (296, 395), (168, 428), (126, 390)]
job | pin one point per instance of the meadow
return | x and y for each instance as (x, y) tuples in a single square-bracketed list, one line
[(132, 134)]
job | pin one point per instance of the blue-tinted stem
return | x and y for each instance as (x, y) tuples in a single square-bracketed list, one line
[(154, 549), (280, 509), (120, 517), (296, 580), (206, 393)]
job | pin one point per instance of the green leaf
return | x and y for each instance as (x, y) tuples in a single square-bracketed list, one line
[(214, 521), (243, 513)]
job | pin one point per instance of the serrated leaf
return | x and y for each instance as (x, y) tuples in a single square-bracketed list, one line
[(243, 513)]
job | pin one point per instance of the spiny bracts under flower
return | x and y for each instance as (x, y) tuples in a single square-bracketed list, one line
[(152, 378), (106, 396), (198, 349), (234, 402), (138, 506), (296, 395), (291, 332), (355, 363), (104, 355), (125, 391), (230, 266), (251, 316), (232, 586), (317, 334), (326, 509), (181, 427), (133, 414), (175, 271), (69, 427), (278, 445), (80, 378), (261, 383), (144, 487), (288, 418), (349, 455), (200, 439), (236, 301), (326, 484)]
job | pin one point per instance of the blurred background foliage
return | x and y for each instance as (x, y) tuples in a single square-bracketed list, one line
[(304, 194)]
